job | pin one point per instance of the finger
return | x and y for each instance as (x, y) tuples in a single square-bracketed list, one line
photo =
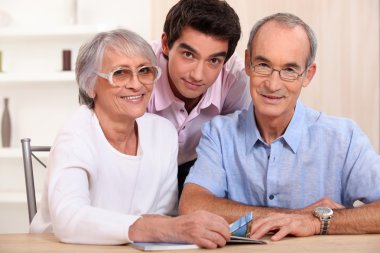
[(209, 227), (213, 240), (284, 231), (259, 223), (223, 233), (273, 223), (220, 228), (264, 228), (328, 202), (339, 206), (204, 243), (215, 230), (215, 236)]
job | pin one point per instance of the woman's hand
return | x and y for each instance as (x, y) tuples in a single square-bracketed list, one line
[(203, 228)]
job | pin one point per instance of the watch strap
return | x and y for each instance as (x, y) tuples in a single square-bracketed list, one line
[(325, 224)]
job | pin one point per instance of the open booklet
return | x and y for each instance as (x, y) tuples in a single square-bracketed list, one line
[(240, 231), (157, 246), (239, 235)]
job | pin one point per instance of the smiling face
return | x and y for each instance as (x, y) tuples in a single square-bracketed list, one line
[(278, 47), (121, 103), (194, 62)]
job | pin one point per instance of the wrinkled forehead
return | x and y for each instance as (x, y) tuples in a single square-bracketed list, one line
[(128, 50), (281, 42), (125, 54)]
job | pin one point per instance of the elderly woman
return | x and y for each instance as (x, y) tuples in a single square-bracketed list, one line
[(112, 163)]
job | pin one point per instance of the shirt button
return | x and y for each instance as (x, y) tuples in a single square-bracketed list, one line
[(271, 196), (182, 110), (183, 128)]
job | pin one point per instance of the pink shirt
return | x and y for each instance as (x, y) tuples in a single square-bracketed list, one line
[(230, 92)]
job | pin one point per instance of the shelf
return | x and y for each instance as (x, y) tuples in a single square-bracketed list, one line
[(12, 197), (17, 153), (62, 31), (10, 153), (16, 197), (67, 76)]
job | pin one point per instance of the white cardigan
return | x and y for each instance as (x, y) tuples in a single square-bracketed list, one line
[(93, 193)]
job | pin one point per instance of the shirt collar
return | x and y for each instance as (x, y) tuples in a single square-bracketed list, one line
[(292, 135), (294, 131), (165, 96), (213, 94), (252, 132)]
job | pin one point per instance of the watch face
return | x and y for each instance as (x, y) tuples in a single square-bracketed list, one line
[(323, 212)]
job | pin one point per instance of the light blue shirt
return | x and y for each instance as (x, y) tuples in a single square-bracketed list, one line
[(317, 156)]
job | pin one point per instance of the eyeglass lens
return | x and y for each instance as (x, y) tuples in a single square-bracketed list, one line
[(145, 74), (284, 73)]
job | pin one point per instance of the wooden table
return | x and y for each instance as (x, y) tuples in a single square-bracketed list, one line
[(16, 243)]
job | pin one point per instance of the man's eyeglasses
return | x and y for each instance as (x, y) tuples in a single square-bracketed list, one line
[(286, 74), (121, 76)]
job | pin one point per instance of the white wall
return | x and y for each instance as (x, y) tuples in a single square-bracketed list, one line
[(135, 15)]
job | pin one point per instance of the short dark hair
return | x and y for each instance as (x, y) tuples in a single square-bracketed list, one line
[(212, 17)]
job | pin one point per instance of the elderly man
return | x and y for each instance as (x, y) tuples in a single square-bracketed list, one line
[(297, 169)]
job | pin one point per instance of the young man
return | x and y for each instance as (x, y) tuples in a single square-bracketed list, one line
[(298, 170), (201, 77)]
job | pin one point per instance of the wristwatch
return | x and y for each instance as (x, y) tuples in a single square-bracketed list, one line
[(324, 214)]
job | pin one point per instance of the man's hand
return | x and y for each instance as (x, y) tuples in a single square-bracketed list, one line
[(282, 224), (299, 222)]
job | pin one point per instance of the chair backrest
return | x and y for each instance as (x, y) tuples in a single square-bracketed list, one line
[(27, 154)]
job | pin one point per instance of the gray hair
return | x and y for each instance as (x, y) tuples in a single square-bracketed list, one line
[(91, 54), (290, 21)]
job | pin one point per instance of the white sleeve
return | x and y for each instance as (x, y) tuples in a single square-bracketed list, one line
[(74, 220), (169, 190)]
